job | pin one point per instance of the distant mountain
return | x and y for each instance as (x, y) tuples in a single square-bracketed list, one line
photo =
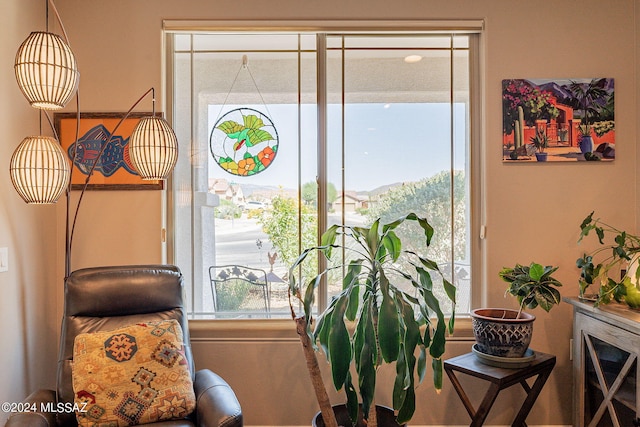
[(561, 92), (380, 190), (248, 189)]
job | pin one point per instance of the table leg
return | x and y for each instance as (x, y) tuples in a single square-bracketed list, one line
[(531, 398), (477, 417), (463, 396), (485, 406)]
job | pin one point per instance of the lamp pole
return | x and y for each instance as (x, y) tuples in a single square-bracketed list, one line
[(39, 168), (71, 226)]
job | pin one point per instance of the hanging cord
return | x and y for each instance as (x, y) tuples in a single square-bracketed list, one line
[(243, 66)]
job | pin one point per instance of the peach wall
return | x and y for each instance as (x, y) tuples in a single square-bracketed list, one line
[(28, 319), (118, 44)]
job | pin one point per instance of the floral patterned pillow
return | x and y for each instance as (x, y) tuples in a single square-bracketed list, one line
[(137, 374)]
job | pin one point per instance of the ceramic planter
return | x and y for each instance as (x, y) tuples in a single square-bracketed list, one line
[(499, 333), (586, 144), (541, 157)]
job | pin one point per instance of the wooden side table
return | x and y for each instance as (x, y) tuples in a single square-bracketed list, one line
[(500, 378)]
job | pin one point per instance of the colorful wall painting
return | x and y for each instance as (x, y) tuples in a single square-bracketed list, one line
[(558, 120), (244, 142), (114, 170)]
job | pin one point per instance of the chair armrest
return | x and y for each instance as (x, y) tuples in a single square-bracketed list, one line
[(31, 414), (216, 403)]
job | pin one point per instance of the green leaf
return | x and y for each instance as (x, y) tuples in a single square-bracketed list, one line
[(408, 408), (411, 337), (321, 333), (339, 346), (388, 329), (230, 126), (360, 332), (438, 339), (352, 277), (309, 295), (621, 238), (328, 238), (352, 399), (399, 384), (452, 321), (394, 224), (353, 272), (436, 364), (587, 221), (536, 271), (428, 229), (450, 290), (404, 395), (424, 278), (584, 233), (371, 237), (427, 263), (252, 121), (426, 338), (547, 297), (422, 364), (354, 303), (296, 264), (366, 369), (393, 245), (586, 265), (256, 136)]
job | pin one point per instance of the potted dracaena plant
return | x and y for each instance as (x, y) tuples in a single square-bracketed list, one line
[(507, 333), (383, 313)]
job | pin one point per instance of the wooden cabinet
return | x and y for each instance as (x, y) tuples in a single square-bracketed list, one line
[(606, 346)]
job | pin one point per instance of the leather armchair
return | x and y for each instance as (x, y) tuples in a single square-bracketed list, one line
[(107, 298)]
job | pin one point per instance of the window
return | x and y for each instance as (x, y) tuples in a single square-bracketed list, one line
[(286, 133)]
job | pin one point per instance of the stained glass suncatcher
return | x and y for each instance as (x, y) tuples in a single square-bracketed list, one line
[(244, 142)]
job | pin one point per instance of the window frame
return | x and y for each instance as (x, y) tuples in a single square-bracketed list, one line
[(473, 28)]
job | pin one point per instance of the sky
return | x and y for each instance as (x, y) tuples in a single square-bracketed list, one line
[(385, 143)]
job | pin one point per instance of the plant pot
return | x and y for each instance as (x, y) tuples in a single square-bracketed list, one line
[(586, 144), (499, 333), (386, 417), (541, 157)]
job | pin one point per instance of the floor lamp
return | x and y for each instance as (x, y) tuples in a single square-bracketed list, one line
[(47, 74)]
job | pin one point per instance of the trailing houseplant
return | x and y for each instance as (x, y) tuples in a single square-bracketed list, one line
[(382, 314), (507, 333), (616, 273)]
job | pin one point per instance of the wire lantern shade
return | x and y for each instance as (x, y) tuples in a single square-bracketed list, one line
[(46, 71), (153, 148), (39, 170)]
